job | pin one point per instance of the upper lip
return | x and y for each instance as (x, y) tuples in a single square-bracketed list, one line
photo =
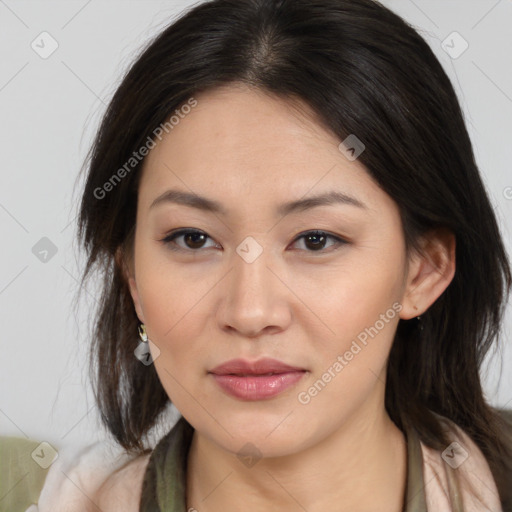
[(261, 366)]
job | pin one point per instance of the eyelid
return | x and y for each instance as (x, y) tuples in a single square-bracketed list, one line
[(170, 237)]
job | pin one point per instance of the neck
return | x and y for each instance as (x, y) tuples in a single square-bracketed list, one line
[(361, 466)]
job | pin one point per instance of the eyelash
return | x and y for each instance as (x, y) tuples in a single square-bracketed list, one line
[(169, 239)]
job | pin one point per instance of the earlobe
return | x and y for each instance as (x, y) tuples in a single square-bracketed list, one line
[(430, 273)]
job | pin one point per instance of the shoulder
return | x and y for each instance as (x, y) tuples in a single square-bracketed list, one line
[(77, 475), (463, 461), (121, 491)]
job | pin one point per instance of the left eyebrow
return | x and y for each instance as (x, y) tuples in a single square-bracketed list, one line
[(327, 199), (210, 205)]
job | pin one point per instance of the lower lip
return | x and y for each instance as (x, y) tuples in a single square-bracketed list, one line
[(256, 387)]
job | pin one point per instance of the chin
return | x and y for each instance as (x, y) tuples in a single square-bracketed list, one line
[(269, 437)]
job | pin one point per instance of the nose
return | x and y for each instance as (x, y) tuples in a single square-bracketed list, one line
[(255, 300)]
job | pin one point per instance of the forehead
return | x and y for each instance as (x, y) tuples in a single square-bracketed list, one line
[(238, 122), (239, 142)]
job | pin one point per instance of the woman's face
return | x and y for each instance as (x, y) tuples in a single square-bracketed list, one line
[(258, 284)]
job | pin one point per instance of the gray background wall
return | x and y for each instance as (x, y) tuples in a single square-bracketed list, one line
[(50, 108)]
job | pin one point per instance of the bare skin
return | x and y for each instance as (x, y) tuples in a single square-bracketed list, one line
[(204, 304)]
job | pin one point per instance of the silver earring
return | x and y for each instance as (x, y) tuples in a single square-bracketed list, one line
[(142, 333), (420, 323)]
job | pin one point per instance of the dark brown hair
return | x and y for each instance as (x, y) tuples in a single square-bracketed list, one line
[(363, 70)]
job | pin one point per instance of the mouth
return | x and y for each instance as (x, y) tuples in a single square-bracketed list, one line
[(258, 380)]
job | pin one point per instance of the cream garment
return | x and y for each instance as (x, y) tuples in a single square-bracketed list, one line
[(436, 473), (75, 476)]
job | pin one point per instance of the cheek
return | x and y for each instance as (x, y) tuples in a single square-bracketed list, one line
[(361, 307), (172, 311), (353, 296), (164, 291), (349, 365), (177, 307), (175, 315)]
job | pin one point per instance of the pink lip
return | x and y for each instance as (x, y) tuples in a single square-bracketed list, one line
[(250, 380), (261, 366)]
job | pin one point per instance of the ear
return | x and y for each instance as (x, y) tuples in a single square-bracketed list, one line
[(126, 266), (429, 274)]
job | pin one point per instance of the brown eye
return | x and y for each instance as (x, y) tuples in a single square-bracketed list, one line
[(192, 239), (315, 241)]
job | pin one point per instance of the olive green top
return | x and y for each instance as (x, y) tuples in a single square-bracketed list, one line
[(23, 471), (164, 484)]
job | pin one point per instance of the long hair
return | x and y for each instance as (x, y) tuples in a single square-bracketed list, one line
[(363, 70)]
